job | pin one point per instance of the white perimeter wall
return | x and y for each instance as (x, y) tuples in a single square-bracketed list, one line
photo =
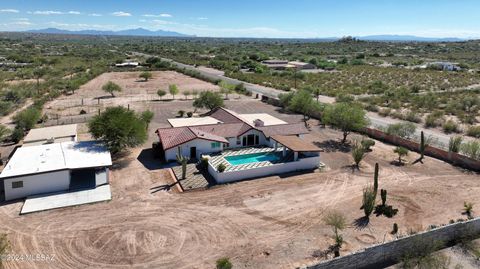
[(37, 184), (203, 146), (279, 168)]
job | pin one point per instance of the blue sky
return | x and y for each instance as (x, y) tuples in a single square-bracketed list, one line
[(251, 18)]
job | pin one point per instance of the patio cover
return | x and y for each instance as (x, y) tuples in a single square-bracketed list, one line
[(295, 143)]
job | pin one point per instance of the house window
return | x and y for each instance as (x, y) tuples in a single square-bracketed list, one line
[(17, 184), (215, 145)]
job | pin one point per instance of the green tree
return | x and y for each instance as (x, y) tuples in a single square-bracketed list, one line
[(111, 87), (303, 103), (147, 117), (226, 88), (39, 73), (146, 75), (173, 90), (118, 128), (209, 100), (161, 93), (345, 116), (26, 119), (402, 129), (401, 151), (337, 221)]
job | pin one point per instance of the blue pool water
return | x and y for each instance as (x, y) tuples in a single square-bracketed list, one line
[(252, 158)]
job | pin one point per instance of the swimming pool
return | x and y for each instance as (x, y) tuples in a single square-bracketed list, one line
[(253, 158)]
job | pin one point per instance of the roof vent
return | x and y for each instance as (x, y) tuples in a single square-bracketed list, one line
[(258, 123)]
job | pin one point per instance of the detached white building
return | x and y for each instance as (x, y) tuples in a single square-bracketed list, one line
[(53, 168), (48, 135)]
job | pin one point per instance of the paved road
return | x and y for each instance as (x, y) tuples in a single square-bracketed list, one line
[(376, 121)]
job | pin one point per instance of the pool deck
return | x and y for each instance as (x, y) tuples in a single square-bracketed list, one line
[(219, 158)]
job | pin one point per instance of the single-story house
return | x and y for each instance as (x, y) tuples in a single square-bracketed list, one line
[(283, 65), (48, 135), (223, 129), (128, 64), (55, 167), (445, 66)]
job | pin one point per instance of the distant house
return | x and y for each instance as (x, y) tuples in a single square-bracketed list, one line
[(48, 135), (283, 65), (128, 64), (445, 66), (53, 168)]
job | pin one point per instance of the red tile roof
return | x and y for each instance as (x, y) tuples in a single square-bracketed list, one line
[(233, 126), (172, 137), (284, 129)]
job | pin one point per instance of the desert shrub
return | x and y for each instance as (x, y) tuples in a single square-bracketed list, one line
[(204, 163), (422, 255), (223, 263), (27, 118), (468, 208), (367, 144), (82, 112), (455, 143), (433, 120), (181, 113), (450, 127), (413, 117), (401, 151), (474, 131), (221, 168), (384, 112), (358, 152), (471, 149), (189, 114), (368, 201), (403, 130)]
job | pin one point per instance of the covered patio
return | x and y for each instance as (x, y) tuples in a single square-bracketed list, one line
[(298, 146)]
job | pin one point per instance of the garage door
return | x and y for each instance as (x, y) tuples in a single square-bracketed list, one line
[(82, 179)]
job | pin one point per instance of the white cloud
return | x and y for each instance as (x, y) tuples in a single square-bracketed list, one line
[(74, 12), (121, 14), (162, 15), (95, 15), (202, 18), (47, 12), (8, 10)]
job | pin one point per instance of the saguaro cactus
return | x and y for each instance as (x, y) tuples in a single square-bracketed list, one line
[(422, 148), (383, 194), (375, 179), (183, 161)]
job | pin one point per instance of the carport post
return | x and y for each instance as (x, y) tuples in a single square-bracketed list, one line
[(284, 153), (276, 145), (295, 156)]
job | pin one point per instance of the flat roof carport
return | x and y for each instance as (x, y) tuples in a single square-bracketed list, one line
[(295, 143)]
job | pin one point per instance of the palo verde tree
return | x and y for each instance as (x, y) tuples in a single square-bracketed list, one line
[(146, 75), (209, 100), (161, 93), (347, 117), (303, 103), (111, 87), (173, 90), (401, 151), (118, 128)]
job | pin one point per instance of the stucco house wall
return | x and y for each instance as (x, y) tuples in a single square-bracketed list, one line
[(36, 184), (203, 146)]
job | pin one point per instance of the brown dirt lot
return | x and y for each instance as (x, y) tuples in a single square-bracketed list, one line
[(90, 97), (274, 222)]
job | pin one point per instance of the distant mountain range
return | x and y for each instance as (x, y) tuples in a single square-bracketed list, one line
[(401, 38), (161, 33), (129, 32)]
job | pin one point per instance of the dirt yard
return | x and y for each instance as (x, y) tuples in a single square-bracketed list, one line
[(90, 97), (274, 222)]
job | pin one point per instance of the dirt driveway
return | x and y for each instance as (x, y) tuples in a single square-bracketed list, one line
[(275, 222)]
